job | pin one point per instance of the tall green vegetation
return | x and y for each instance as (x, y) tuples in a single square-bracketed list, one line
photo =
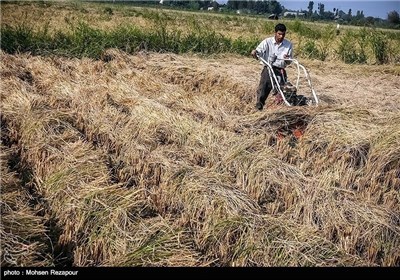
[(86, 41), (379, 45), (327, 37), (350, 49)]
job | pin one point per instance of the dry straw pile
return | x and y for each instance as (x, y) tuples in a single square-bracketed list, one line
[(162, 160)]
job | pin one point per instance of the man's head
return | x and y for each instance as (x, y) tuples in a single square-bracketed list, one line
[(280, 32)]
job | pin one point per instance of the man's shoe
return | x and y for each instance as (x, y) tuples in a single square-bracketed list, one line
[(259, 106)]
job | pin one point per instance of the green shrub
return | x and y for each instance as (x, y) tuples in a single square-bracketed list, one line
[(327, 37), (310, 50), (379, 45), (108, 11), (350, 50)]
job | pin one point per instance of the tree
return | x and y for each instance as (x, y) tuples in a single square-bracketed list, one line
[(360, 15), (335, 11), (310, 8), (393, 17), (260, 7), (204, 4), (232, 5), (321, 8), (370, 20), (329, 15), (275, 7), (242, 5), (215, 5), (194, 5)]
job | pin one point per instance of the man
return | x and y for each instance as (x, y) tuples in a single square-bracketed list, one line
[(274, 50)]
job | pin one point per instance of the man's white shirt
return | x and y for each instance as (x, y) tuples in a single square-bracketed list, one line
[(269, 48)]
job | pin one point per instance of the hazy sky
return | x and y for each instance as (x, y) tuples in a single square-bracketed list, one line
[(374, 8)]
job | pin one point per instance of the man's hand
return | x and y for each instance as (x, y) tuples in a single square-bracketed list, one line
[(287, 62), (254, 54)]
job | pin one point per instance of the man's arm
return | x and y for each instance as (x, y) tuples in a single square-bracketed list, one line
[(261, 48)]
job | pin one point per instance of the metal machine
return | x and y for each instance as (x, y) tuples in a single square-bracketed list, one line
[(287, 92)]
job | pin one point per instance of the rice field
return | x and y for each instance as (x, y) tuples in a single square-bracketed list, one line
[(148, 158)]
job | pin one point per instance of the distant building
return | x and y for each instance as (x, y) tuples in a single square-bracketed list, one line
[(293, 14), (338, 19), (273, 16)]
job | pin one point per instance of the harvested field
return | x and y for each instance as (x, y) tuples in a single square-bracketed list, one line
[(162, 160)]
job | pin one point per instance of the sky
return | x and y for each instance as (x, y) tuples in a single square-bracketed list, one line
[(374, 8)]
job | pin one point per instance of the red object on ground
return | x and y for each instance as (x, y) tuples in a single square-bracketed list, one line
[(278, 99), (298, 132), (279, 136)]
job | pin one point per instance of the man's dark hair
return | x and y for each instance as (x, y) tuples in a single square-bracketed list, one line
[(280, 27)]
